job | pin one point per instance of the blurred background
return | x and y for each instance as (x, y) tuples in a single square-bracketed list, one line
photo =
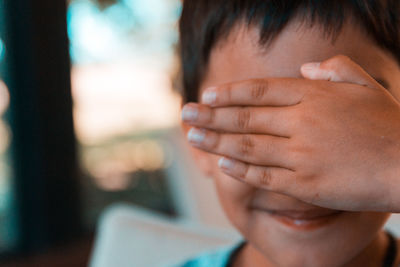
[(89, 118), (93, 165)]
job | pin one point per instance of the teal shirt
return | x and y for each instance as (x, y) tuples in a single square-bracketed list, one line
[(217, 258)]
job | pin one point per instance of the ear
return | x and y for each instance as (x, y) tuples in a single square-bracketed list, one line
[(201, 158)]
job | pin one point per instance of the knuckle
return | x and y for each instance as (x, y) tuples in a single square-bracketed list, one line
[(243, 119), (299, 154), (335, 62), (228, 93), (265, 177), (291, 120), (300, 117), (215, 142), (307, 177), (341, 58), (212, 116), (246, 145), (259, 89), (245, 173), (294, 155), (305, 169), (269, 148), (306, 119)]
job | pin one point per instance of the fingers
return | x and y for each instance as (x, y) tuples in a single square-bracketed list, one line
[(255, 120), (257, 92), (270, 178), (339, 69), (255, 149)]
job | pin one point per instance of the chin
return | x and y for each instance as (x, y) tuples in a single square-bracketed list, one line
[(331, 241), (288, 232), (312, 258)]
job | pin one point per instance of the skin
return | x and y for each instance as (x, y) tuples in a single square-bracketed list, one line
[(322, 132)]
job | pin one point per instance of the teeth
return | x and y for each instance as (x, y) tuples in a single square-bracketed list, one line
[(300, 222)]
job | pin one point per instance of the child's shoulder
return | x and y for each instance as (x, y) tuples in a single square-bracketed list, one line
[(216, 258)]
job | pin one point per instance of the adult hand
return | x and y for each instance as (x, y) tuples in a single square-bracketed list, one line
[(333, 141)]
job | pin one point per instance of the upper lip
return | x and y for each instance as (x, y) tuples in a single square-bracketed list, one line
[(311, 214)]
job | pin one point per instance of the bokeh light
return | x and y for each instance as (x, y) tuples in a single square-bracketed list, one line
[(8, 230), (4, 97), (2, 50), (123, 55), (113, 166)]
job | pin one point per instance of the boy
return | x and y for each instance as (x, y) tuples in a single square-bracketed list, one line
[(249, 49)]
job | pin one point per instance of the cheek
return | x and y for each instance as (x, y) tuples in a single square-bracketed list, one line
[(367, 223), (362, 225), (393, 77), (357, 231), (228, 186), (234, 195), (396, 92)]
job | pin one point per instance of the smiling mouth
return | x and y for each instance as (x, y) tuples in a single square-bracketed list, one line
[(303, 220)]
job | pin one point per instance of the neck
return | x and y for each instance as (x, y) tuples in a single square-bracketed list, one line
[(372, 255)]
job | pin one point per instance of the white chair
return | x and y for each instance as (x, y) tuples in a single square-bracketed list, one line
[(393, 225), (129, 236)]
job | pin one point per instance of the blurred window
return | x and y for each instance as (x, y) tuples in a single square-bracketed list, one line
[(123, 60)]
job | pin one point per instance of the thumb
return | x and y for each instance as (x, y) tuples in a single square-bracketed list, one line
[(338, 69)]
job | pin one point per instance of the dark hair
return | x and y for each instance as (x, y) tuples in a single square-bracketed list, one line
[(205, 22)]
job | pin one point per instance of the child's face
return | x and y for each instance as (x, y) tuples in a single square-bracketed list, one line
[(346, 234)]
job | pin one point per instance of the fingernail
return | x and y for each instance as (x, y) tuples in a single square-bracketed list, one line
[(225, 163), (209, 96), (311, 66), (189, 113), (196, 136)]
